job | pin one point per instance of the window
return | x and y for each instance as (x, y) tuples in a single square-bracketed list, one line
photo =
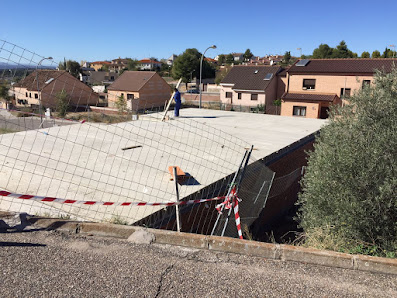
[(299, 111), (238, 95), (228, 95), (112, 78), (254, 96), (26, 94), (122, 95), (268, 76), (345, 92), (30, 95), (36, 95), (130, 96), (366, 83), (309, 84)]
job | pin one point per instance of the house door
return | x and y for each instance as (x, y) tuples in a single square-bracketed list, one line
[(324, 112)]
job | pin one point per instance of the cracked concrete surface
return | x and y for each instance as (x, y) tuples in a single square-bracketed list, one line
[(42, 263)]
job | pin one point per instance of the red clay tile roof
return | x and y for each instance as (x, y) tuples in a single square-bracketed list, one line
[(149, 61), (250, 77), (100, 62), (43, 76), (348, 66), (131, 80), (309, 97)]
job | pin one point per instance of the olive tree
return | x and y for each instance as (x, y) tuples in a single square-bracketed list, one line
[(349, 191)]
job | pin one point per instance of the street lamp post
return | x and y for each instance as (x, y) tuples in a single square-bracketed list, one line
[(38, 90), (201, 68), (394, 48), (300, 50)]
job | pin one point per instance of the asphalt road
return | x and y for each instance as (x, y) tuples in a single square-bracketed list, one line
[(51, 264)]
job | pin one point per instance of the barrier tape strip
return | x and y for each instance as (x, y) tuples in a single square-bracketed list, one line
[(230, 200), (64, 201)]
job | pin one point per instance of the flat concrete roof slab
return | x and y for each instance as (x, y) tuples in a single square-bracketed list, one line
[(86, 161)]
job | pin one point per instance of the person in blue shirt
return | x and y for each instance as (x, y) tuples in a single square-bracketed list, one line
[(177, 98)]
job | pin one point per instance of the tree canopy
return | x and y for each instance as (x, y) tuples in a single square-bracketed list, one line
[(365, 54), (229, 59), (376, 54), (350, 186), (247, 55), (189, 62), (221, 59), (324, 51), (71, 66), (286, 59)]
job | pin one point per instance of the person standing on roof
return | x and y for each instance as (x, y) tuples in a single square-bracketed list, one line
[(177, 98)]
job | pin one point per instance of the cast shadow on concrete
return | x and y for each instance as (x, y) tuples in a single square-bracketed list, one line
[(20, 227), (4, 244), (190, 180)]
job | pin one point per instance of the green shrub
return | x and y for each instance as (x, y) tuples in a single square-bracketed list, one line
[(351, 179)]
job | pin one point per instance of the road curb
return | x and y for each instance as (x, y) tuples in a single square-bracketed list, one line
[(231, 245)]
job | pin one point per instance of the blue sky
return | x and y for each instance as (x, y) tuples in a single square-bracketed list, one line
[(98, 30)]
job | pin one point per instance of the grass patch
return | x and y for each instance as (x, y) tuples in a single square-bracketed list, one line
[(98, 117), (117, 220), (6, 130), (327, 239)]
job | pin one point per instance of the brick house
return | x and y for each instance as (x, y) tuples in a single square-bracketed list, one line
[(141, 89), (51, 82), (313, 85), (148, 64), (97, 65), (252, 86), (118, 64)]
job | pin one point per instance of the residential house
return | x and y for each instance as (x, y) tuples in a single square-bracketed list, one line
[(171, 59), (238, 57), (97, 65), (313, 85), (118, 64), (149, 64), (211, 61), (51, 83), (141, 89), (98, 77), (251, 86)]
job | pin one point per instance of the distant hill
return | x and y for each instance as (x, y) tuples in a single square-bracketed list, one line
[(4, 65)]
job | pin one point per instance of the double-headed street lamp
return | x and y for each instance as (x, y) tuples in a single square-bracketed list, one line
[(201, 68), (38, 90)]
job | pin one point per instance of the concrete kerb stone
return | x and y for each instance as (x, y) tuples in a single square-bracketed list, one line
[(230, 245), (316, 256), (374, 264), (252, 248)]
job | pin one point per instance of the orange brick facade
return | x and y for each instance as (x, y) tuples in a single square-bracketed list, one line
[(324, 84)]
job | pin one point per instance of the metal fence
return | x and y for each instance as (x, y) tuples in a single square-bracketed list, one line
[(98, 167)]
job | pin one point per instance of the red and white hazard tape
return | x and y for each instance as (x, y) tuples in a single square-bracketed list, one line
[(229, 201), (64, 201)]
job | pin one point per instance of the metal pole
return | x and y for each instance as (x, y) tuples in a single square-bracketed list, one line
[(38, 90), (237, 187), (228, 192), (201, 68), (178, 221)]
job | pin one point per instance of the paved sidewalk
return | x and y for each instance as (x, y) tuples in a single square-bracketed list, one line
[(42, 263)]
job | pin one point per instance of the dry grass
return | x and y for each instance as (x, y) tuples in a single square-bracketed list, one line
[(6, 130), (98, 117)]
